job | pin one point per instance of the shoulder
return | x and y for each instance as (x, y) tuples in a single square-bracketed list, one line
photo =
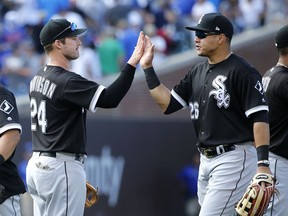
[(277, 77), (61, 74), (240, 62), (4, 90), (277, 71), (242, 67), (6, 94), (199, 67)]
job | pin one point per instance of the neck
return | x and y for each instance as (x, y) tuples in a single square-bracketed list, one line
[(59, 62), (283, 61), (280, 64), (219, 58)]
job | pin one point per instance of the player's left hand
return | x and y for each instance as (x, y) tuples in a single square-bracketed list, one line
[(92, 195), (257, 196), (264, 169)]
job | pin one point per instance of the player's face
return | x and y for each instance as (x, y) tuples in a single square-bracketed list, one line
[(205, 43), (71, 48)]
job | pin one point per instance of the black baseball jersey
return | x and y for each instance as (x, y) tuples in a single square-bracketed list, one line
[(221, 98), (9, 120), (59, 100), (275, 83)]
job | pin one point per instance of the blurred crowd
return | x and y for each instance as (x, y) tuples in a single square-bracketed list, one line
[(113, 28)]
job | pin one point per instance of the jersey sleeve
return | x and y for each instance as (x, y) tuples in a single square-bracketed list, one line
[(189, 85), (284, 91), (181, 91), (9, 118), (83, 92), (252, 93)]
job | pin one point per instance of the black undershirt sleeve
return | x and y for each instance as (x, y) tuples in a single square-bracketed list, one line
[(113, 94), (261, 116), (173, 106)]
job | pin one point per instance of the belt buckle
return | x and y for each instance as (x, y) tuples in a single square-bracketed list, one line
[(220, 149), (80, 157), (205, 152), (212, 152)]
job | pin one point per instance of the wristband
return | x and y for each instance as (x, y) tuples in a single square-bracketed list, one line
[(263, 163), (262, 152), (2, 159), (151, 78)]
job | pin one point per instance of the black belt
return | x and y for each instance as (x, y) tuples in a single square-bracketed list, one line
[(211, 152), (78, 157)]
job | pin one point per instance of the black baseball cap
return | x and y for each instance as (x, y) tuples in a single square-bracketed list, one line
[(214, 22), (58, 28), (281, 38)]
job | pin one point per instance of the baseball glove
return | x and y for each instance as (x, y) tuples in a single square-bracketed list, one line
[(255, 200), (92, 195)]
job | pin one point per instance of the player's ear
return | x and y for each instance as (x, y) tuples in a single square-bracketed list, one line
[(58, 44), (221, 39)]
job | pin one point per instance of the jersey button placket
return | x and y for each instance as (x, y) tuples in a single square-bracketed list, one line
[(202, 133), (205, 87)]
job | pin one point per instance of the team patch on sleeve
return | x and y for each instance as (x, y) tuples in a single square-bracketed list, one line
[(259, 87), (6, 107)]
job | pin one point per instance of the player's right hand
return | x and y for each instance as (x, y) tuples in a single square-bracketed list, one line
[(147, 58), (138, 50)]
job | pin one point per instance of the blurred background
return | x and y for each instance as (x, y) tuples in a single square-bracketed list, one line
[(144, 163)]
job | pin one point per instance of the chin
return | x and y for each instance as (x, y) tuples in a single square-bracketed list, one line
[(199, 53), (74, 57)]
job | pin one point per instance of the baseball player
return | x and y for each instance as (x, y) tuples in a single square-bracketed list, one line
[(275, 83), (11, 184), (228, 110), (59, 100)]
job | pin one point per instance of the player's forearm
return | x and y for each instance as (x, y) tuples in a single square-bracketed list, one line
[(8, 143), (262, 138), (112, 96), (161, 96), (158, 91), (261, 133)]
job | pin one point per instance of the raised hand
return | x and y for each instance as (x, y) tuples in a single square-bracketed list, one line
[(147, 58), (138, 50)]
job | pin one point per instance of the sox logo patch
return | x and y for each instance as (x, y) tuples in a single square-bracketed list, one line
[(6, 107), (220, 92), (259, 87)]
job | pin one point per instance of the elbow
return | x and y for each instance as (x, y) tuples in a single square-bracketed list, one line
[(114, 106), (15, 139), (111, 104), (167, 112), (114, 103)]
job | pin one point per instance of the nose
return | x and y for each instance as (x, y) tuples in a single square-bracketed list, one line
[(196, 39), (79, 42)]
